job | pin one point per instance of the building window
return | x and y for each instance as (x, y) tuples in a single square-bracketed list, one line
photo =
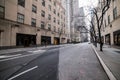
[(54, 3), (43, 2), (58, 22), (42, 25), (34, 8), (109, 19), (49, 6), (61, 17), (2, 11), (49, 27), (115, 13), (43, 13), (20, 18), (54, 11), (54, 29), (54, 20), (58, 29), (33, 22), (49, 16), (58, 14), (21, 3)]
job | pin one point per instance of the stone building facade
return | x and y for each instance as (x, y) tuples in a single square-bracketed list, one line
[(74, 15), (111, 24), (32, 22), (110, 30)]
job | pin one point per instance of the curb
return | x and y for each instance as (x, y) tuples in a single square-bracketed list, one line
[(107, 70)]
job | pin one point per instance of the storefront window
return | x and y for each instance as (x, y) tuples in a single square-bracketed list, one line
[(107, 39), (117, 38)]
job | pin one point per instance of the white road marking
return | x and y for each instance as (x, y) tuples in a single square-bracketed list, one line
[(37, 51), (7, 56), (22, 56), (9, 51), (23, 73)]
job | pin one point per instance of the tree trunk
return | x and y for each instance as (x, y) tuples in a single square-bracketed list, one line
[(100, 39), (95, 41), (101, 47)]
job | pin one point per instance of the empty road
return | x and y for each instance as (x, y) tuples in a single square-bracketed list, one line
[(72, 62)]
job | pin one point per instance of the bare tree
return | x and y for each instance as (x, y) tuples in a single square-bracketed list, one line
[(99, 13), (92, 31)]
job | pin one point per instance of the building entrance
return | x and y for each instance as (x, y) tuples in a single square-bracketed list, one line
[(25, 40), (56, 41), (45, 40)]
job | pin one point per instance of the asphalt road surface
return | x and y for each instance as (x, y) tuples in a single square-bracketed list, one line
[(73, 62)]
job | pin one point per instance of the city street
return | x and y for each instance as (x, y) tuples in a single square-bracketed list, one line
[(59, 40), (71, 62)]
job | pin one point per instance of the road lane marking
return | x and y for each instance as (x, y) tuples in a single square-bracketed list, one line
[(37, 51), (21, 56), (7, 56), (23, 73)]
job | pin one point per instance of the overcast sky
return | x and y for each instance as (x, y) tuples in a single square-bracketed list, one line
[(87, 2)]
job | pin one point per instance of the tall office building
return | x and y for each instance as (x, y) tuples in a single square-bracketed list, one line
[(74, 14), (82, 25)]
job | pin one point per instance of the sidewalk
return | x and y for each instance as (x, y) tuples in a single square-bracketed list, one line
[(7, 51), (111, 58)]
